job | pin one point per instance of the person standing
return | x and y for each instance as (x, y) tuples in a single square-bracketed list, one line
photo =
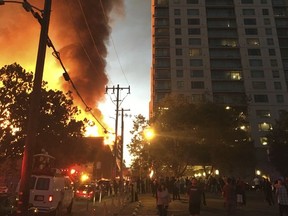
[(229, 195), (176, 190), (282, 197), (162, 199), (267, 189), (195, 194), (154, 186)]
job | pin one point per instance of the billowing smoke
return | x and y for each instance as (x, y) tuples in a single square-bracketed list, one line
[(79, 30), (83, 33)]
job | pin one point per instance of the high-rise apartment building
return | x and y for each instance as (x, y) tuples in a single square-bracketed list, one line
[(232, 52)]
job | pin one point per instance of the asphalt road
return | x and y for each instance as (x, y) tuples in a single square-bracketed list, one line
[(256, 206)]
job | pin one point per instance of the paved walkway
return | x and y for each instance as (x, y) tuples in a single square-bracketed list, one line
[(256, 206)]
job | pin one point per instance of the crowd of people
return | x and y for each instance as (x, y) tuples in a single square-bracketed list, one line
[(232, 190)]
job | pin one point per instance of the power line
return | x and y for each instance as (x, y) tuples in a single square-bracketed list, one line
[(81, 42), (66, 76), (113, 44), (117, 89)]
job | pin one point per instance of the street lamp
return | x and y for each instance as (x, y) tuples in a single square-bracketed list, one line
[(149, 133), (34, 111)]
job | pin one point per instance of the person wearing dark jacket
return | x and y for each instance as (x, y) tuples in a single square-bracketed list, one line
[(195, 194)]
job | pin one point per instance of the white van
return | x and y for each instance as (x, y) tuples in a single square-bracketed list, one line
[(51, 194), (50, 190)]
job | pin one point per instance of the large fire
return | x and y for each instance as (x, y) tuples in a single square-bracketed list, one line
[(79, 30)]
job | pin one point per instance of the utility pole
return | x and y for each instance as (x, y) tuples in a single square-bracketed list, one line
[(121, 148), (117, 89), (33, 118)]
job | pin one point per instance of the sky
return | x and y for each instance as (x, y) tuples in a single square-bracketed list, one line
[(132, 38), (119, 54)]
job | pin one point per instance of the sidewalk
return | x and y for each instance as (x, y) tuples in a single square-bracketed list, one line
[(256, 206)]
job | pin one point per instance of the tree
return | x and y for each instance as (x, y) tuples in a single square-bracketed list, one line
[(278, 144), (59, 133), (204, 134), (139, 145)]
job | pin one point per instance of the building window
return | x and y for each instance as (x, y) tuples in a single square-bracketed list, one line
[(265, 12), (267, 21), (258, 85), (196, 62), (248, 12), (194, 31), (197, 85), (177, 31), (196, 73), (163, 74), (264, 141), (177, 21), (268, 31), (162, 63), (261, 98), (179, 73), (179, 62), (193, 21), (251, 31), (180, 84), (249, 21), (257, 73), (192, 1), (272, 52), (275, 74), (270, 41), (277, 85), (263, 113), (164, 52), (263, 1), (280, 98), (162, 22), (192, 12), (254, 52), (178, 41), (194, 52), (178, 52), (273, 63), (246, 1), (194, 41), (253, 41), (255, 62), (265, 126), (177, 12), (163, 85), (161, 41)]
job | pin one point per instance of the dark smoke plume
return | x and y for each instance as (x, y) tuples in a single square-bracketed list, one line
[(79, 30), (83, 30)]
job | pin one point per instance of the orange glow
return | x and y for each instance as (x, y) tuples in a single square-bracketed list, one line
[(109, 139), (82, 49), (91, 131)]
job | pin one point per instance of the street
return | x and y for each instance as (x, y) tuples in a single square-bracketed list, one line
[(256, 206)]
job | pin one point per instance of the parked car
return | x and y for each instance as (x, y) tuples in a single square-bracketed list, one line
[(87, 192), (51, 193)]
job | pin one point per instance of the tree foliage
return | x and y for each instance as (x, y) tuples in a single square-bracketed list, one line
[(138, 147), (278, 144), (204, 134), (59, 132)]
